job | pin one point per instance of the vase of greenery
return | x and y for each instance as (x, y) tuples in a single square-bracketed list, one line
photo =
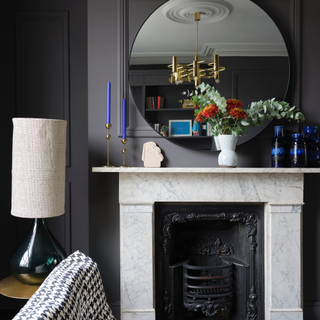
[(227, 117)]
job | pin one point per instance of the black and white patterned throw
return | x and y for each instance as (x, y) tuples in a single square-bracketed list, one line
[(72, 291)]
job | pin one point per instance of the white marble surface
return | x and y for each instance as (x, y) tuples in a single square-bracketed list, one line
[(283, 267), (204, 170), (136, 227), (138, 315), (286, 314), (215, 187), (281, 192)]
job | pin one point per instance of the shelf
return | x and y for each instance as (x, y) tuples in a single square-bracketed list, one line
[(207, 170)]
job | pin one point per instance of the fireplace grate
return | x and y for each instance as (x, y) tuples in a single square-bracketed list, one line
[(208, 289)]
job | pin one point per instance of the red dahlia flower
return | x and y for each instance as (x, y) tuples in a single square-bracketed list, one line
[(233, 103), (208, 112), (238, 113)]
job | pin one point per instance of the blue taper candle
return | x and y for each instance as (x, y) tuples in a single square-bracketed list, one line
[(108, 101), (124, 117)]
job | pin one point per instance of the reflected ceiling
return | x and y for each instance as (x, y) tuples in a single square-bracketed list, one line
[(227, 28)]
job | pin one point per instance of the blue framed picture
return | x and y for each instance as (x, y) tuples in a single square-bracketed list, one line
[(180, 128)]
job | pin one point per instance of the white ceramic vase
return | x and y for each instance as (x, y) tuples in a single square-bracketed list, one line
[(228, 157), (217, 143)]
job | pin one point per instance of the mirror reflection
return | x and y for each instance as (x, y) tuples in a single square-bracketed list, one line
[(246, 40)]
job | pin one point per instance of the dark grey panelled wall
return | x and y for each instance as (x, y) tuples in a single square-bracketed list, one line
[(112, 26), (44, 75)]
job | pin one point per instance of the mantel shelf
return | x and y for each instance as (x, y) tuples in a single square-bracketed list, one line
[(203, 170)]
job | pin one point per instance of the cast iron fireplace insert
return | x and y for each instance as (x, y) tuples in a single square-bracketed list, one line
[(209, 261)]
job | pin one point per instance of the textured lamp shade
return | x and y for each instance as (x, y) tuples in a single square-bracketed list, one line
[(38, 167), (38, 191)]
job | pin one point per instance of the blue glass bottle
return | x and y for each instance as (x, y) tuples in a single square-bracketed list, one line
[(278, 149), (298, 151), (310, 130), (313, 146)]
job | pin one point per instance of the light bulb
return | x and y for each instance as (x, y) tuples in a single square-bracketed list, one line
[(217, 80)]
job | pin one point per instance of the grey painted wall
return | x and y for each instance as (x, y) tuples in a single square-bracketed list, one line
[(44, 75), (112, 26)]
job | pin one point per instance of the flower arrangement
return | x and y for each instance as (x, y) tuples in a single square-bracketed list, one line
[(227, 117)]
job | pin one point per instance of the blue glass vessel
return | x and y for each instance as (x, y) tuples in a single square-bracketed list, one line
[(278, 149), (313, 146), (309, 130), (298, 151)]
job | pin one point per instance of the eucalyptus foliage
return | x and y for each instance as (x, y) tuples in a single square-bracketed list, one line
[(256, 113)]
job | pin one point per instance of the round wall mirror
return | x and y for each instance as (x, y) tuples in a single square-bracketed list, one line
[(249, 45)]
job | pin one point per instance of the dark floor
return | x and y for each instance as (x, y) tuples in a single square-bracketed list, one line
[(7, 314)]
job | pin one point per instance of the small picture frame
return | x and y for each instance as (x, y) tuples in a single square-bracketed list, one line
[(180, 128)]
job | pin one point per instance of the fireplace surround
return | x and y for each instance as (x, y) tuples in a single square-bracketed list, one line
[(278, 190)]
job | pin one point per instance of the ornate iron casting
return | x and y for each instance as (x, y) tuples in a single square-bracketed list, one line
[(208, 288), (208, 295)]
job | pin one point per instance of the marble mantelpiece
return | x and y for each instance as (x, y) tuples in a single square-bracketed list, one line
[(203, 170), (279, 190)]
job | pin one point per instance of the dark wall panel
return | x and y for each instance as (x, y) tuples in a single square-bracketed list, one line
[(258, 84), (8, 224), (42, 62), (104, 58), (44, 75), (309, 73)]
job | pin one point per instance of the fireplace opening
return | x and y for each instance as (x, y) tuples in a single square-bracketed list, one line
[(209, 261)]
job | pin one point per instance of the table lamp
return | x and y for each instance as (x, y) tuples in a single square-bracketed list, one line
[(38, 192)]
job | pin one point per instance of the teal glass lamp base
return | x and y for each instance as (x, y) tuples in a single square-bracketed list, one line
[(37, 255)]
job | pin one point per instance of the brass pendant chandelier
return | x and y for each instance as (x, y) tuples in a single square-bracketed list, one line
[(193, 71)]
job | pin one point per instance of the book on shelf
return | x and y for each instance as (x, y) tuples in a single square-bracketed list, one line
[(154, 102)]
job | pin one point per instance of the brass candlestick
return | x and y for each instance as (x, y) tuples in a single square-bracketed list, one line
[(124, 151), (108, 136)]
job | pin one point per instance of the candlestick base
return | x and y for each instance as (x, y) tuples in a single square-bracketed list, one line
[(124, 151), (108, 136)]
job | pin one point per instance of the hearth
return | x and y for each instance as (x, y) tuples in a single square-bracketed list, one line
[(209, 261)]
